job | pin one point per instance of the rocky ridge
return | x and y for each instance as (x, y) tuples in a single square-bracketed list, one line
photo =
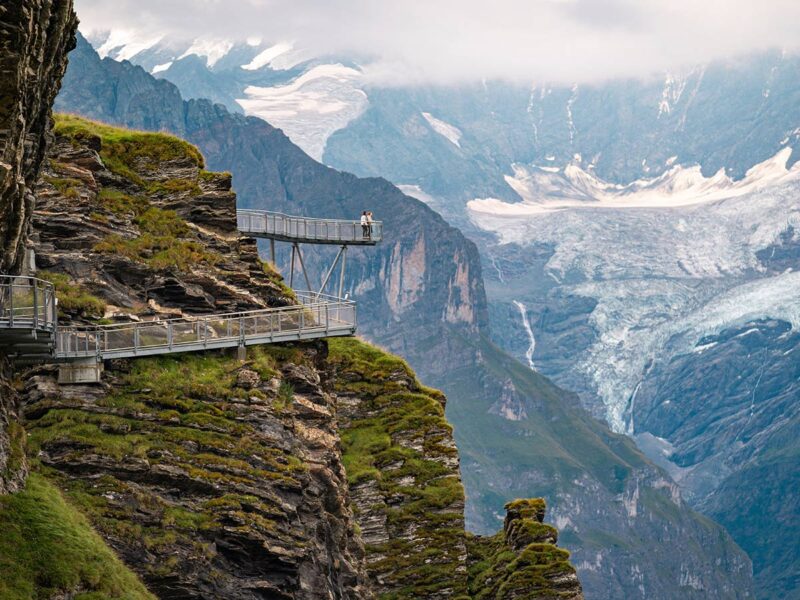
[(293, 475)]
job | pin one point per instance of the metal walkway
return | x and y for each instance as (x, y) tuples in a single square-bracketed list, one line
[(29, 330), (305, 230)]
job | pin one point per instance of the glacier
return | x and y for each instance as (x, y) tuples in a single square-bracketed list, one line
[(670, 258), (312, 107)]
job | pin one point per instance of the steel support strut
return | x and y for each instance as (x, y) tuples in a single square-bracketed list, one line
[(303, 266), (339, 254), (341, 275)]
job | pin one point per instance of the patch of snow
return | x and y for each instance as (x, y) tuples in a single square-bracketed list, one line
[(160, 68), (674, 87), (570, 122), (212, 49), (264, 58), (417, 192), (124, 44), (311, 108), (450, 132), (544, 191)]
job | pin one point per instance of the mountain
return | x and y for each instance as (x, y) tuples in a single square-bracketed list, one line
[(421, 295), (620, 225)]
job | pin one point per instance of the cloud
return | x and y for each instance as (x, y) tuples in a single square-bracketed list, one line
[(454, 41)]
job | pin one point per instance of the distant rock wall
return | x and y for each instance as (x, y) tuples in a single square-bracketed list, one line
[(35, 37)]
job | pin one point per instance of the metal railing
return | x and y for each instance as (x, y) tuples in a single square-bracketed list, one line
[(27, 303), (260, 223), (314, 318)]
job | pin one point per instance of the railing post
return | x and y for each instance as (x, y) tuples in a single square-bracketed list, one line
[(135, 339), (35, 305), (11, 303), (170, 334)]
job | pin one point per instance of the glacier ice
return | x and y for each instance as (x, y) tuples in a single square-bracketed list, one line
[(670, 259), (312, 107)]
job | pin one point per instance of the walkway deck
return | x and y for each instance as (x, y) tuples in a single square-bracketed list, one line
[(29, 330), (285, 228)]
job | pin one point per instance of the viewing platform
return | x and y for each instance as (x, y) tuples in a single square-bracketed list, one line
[(305, 230), (30, 332), (28, 316)]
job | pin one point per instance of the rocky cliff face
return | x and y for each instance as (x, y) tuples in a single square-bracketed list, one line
[(35, 37), (295, 474)]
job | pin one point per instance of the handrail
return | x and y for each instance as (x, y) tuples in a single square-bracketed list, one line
[(287, 227), (211, 331), (27, 303)]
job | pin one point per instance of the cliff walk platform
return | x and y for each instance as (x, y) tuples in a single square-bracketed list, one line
[(306, 230), (30, 332)]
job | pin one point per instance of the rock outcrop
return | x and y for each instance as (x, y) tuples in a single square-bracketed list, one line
[(522, 561), (35, 37), (402, 465)]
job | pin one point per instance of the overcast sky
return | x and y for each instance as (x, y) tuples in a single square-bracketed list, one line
[(450, 41)]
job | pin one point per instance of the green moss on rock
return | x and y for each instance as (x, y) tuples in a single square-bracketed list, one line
[(522, 561), (73, 299), (402, 466)]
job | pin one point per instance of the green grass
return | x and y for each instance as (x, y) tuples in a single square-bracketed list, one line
[(47, 549), (73, 299), (126, 151), (66, 186), (165, 243)]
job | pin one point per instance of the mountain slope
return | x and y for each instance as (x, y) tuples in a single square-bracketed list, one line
[(420, 294)]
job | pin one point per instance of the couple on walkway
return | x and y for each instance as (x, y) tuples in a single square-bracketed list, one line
[(366, 224)]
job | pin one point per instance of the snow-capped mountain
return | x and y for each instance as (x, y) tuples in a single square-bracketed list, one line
[(308, 98)]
